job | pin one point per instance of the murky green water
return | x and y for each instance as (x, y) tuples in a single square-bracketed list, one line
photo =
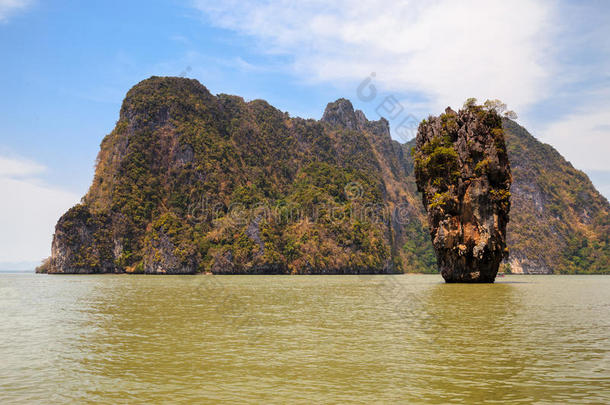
[(303, 339)]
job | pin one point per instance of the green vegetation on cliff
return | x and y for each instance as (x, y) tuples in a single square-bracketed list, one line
[(191, 182), (559, 222), (463, 173)]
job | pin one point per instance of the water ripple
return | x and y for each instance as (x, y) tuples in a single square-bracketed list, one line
[(278, 339)]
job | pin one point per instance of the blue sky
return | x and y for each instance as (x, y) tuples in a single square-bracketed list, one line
[(66, 66)]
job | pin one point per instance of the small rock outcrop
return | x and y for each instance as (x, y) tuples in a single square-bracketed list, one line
[(82, 243), (462, 171), (341, 113), (44, 266)]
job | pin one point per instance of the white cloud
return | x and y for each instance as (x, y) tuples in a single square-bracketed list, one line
[(9, 7), (582, 137), (29, 210), (446, 50), (537, 56), (10, 167)]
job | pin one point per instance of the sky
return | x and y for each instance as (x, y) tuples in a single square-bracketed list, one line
[(65, 67)]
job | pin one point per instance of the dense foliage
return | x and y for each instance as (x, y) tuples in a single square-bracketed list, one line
[(192, 182)]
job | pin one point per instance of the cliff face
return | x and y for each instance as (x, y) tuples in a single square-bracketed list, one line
[(191, 182), (559, 222), (462, 171)]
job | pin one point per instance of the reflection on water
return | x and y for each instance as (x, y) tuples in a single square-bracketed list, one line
[(410, 338)]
